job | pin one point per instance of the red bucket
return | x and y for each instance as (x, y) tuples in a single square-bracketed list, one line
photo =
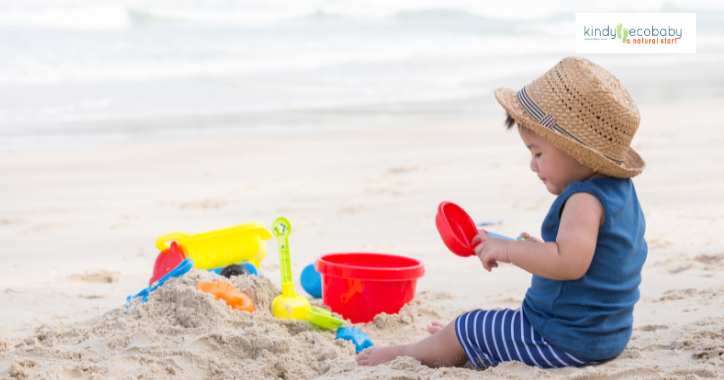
[(359, 286)]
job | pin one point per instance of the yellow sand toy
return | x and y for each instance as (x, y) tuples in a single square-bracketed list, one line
[(289, 304), (222, 247)]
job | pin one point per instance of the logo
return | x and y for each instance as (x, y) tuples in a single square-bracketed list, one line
[(636, 32)]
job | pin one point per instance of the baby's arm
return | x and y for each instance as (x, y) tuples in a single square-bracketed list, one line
[(568, 258)]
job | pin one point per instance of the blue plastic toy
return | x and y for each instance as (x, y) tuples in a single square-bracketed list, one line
[(498, 236), (360, 340), (181, 269), (311, 281)]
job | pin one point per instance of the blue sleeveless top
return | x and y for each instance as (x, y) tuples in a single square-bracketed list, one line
[(591, 318)]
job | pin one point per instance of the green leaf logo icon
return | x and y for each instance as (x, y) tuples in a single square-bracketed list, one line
[(621, 32)]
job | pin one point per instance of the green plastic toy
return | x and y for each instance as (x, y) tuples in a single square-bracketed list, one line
[(289, 304)]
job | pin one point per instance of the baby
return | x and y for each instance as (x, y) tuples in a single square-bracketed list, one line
[(577, 121)]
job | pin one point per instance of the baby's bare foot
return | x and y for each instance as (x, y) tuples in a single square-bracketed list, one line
[(378, 355), (434, 327)]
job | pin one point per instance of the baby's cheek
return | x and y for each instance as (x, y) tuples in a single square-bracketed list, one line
[(541, 169)]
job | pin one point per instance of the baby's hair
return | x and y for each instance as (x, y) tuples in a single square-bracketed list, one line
[(509, 121)]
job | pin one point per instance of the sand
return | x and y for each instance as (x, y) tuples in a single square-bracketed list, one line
[(183, 333), (78, 228)]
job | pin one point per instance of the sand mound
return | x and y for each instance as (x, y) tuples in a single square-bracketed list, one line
[(183, 333)]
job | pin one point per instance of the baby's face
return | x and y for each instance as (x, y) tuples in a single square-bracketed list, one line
[(554, 168)]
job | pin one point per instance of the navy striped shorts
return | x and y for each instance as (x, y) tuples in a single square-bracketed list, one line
[(493, 336)]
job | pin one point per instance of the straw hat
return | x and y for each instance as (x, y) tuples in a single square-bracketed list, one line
[(583, 110)]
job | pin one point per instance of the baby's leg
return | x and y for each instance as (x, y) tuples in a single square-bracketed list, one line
[(441, 349)]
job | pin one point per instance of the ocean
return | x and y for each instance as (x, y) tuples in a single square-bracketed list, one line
[(92, 71)]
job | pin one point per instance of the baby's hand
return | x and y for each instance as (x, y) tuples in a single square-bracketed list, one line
[(490, 251)]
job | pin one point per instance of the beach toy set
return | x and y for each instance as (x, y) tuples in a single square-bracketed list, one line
[(356, 286), (245, 243), (213, 250)]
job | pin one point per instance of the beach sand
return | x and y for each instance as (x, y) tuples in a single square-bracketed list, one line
[(78, 226)]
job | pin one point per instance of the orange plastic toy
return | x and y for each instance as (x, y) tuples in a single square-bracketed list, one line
[(227, 292)]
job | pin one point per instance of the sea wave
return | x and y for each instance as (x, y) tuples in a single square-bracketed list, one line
[(451, 15), (114, 17)]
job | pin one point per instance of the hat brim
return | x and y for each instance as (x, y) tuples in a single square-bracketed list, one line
[(631, 166)]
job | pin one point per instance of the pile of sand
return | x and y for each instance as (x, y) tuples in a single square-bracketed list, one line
[(183, 333)]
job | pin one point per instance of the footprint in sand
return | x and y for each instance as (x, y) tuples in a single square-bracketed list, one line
[(680, 268), (652, 327), (677, 294), (100, 277), (705, 342), (90, 296), (6, 222), (704, 262), (717, 259)]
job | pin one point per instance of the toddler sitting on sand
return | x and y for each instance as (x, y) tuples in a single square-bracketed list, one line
[(577, 121)]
